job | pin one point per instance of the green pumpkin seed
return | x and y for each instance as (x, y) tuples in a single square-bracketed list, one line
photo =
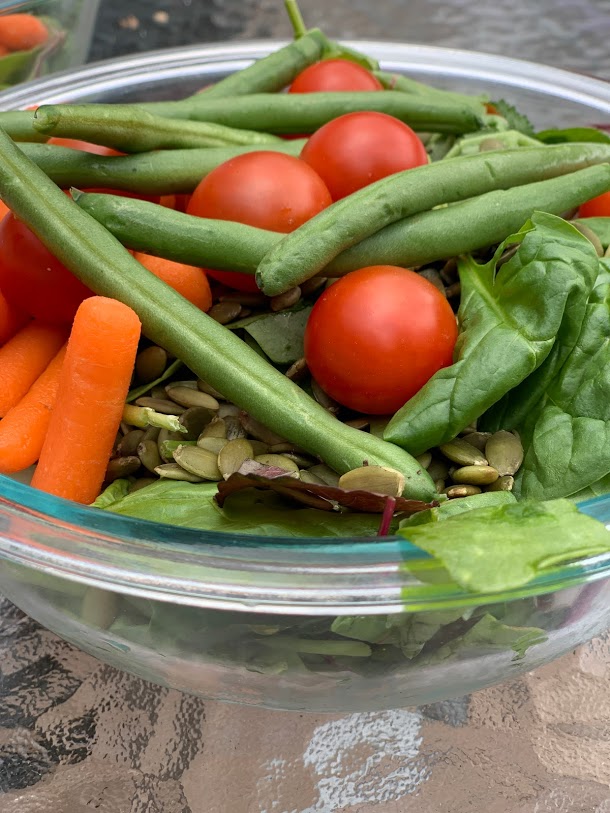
[(288, 299), (297, 370), (151, 364), (121, 467), (217, 428), (205, 387), (235, 430), (191, 397), (358, 423), (458, 451), (379, 479), (438, 469), (323, 398), (168, 447), (326, 474), (307, 477), (198, 461), (424, 459), (129, 443), (212, 444), (504, 483), (172, 471), (195, 421), (258, 430), (591, 237), (224, 312), (148, 452), (233, 454), (439, 485), (477, 439), (279, 461), (475, 475), (504, 452), (454, 492), (161, 405)]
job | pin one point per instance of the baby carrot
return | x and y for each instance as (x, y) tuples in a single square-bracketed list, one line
[(11, 320), (93, 385), (189, 281), (20, 32), (23, 429), (24, 357), (4, 210)]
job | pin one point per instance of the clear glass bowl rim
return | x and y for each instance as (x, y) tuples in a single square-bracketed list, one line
[(243, 572)]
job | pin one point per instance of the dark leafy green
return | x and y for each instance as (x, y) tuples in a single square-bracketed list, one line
[(279, 335), (451, 508), (598, 489), (516, 120), (505, 546), (112, 494), (138, 392), (250, 512), (579, 134), (510, 317), (566, 434), (599, 225)]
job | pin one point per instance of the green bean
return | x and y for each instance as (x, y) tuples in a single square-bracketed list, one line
[(404, 84), (130, 129), (305, 112), (19, 124), (311, 248), (423, 238), (211, 351), (472, 224), (225, 245), (157, 173)]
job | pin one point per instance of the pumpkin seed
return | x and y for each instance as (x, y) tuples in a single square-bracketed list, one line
[(504, 452), (224, 312), (190, 383), (288, 299), (503, 483), (198, 461), (228, 410), (591, 237), (358, 423), (424, 459), (432, 275), (438, 469), (439, 485), (303, 461), (279, 461), (162, 405), (377, 426), (205, 387), (311, 285), (379, 479), (323, 398), (458, 451), (129, 443), (258, 447), (195, 421), (475, 475), (157, 392), (307, 477), (192, 397), (250, 299), (217, 428), (148, 452), (258, 430), (326, 474), (453, 492), (233, 454), (151, 364), (477, 439), (121, 467), (152, 433), (297, 370), (172, 471), (235, 431), (212, 444)]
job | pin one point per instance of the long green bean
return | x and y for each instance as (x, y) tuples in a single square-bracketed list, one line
[(404, 84), (131, 129), (207, 348), (19, 124), (157, 173), (308, 250), (304, 112), (423, 238)]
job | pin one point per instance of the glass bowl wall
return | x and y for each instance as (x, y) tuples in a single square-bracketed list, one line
[(228, 616)]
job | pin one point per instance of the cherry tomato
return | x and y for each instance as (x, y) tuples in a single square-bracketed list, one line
[(377, 335), (333, 75), (33, 279), (357, 149), (596, 207), (268, 190)]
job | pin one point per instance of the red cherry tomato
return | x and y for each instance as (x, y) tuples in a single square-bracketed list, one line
[(377, 335), (333, 75), (268, 190), (357, 149), (596, 207), (33, 279)]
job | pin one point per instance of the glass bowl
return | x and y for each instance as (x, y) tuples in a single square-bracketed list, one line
[(69, 27), (263, 621)]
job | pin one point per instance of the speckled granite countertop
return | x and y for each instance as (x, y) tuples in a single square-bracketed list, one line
[(77, 736)]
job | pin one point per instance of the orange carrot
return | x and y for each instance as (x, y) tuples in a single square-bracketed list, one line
[(94, 381), (11, 320), (24, 357), (189, 281), (20, 32), (23, 429), (4, 210)]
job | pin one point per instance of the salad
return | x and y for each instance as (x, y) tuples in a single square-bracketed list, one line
[(330, 389)]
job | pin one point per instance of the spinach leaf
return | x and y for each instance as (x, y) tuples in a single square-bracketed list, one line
[(193, 506), (510, 317), (516, 120), (112, 494), (506, 546), (280, 335), (598, 489), (491, 634), (599, 225), (577, 134), (566, 436), (451, 508)]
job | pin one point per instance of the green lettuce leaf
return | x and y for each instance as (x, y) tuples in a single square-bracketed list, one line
[(451, 508), (516, 120), (598, 489), (577, 134), (112, 494), (504, 547), (510, 319), (599, 225)]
